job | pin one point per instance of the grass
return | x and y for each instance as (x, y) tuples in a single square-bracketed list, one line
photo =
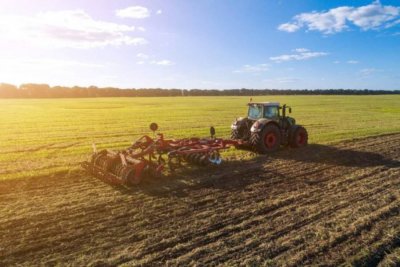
[(45, 136)]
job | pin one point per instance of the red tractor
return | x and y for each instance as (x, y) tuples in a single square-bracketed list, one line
[(267, 127)]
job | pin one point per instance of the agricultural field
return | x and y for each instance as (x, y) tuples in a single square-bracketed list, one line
[(41, 137), (334, 202)]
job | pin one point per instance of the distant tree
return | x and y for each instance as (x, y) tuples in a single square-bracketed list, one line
[(8, 90), (31, 90)]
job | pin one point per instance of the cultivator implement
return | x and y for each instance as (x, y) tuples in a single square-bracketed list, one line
[(150, 157)]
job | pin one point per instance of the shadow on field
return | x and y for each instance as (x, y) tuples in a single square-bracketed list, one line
[(235, 175), (323, 154)]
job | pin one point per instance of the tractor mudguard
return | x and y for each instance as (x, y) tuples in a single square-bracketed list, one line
[(259, 125)]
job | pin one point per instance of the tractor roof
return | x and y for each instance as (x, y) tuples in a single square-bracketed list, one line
[(265, 103)]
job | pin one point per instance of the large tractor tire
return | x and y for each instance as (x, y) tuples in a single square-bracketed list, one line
[(268, 140), (235, 134), (238, 135), (299, 137)]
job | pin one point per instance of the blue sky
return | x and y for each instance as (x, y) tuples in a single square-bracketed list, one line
[(208, 44)]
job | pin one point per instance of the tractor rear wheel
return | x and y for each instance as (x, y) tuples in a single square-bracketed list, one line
[(299, 137), (268, 140)]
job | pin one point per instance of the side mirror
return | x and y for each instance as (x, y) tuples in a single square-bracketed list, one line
[(212, 131), (153, 126), (290, 110)]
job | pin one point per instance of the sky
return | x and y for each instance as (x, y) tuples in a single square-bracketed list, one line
[(207, 44)]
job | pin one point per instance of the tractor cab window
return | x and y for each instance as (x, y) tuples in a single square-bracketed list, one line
[(271, 112), (255, 111)]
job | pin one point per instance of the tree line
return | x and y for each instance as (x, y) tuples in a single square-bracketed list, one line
[(31, 90)]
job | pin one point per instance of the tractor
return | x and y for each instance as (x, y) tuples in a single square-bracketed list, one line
[(267, 127)]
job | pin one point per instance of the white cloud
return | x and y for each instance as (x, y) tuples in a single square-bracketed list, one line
[(133, 12), (352, 62), (369, 71), (253, 68), (393, 23), (142, 56), (301, 54), (163, 62), (150, 59), (372, 16), (282, 80), (289, 27), (69, 28), (159, 12), (336, 62), (301, 50)]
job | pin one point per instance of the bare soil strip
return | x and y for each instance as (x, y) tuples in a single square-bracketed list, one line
[(323, 204)]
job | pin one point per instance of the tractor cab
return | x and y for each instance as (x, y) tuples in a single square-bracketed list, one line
[(270, 111), (267, 110)]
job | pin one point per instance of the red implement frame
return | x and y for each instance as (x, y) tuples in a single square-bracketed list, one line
[(146, 157)]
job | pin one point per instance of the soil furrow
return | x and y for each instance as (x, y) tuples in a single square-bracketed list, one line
[(307, 206)]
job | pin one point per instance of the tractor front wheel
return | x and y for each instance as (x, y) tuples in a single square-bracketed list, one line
[(268, 140), (299, 137), (235, 134)]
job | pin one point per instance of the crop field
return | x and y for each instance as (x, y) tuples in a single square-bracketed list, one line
[(336, 201), (41, 137)]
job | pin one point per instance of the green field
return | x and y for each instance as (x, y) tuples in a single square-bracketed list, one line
[(45, 136)]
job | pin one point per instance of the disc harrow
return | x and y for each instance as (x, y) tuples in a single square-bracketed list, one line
[(150, 157)]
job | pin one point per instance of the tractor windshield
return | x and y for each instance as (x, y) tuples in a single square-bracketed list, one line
[(255, 111), (271, 112)]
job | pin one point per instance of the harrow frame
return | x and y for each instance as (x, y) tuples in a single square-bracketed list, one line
[(146, 157)]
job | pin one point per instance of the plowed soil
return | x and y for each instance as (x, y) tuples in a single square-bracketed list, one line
[(322, 204)]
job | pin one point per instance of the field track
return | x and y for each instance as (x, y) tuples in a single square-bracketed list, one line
[(322, 204)]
